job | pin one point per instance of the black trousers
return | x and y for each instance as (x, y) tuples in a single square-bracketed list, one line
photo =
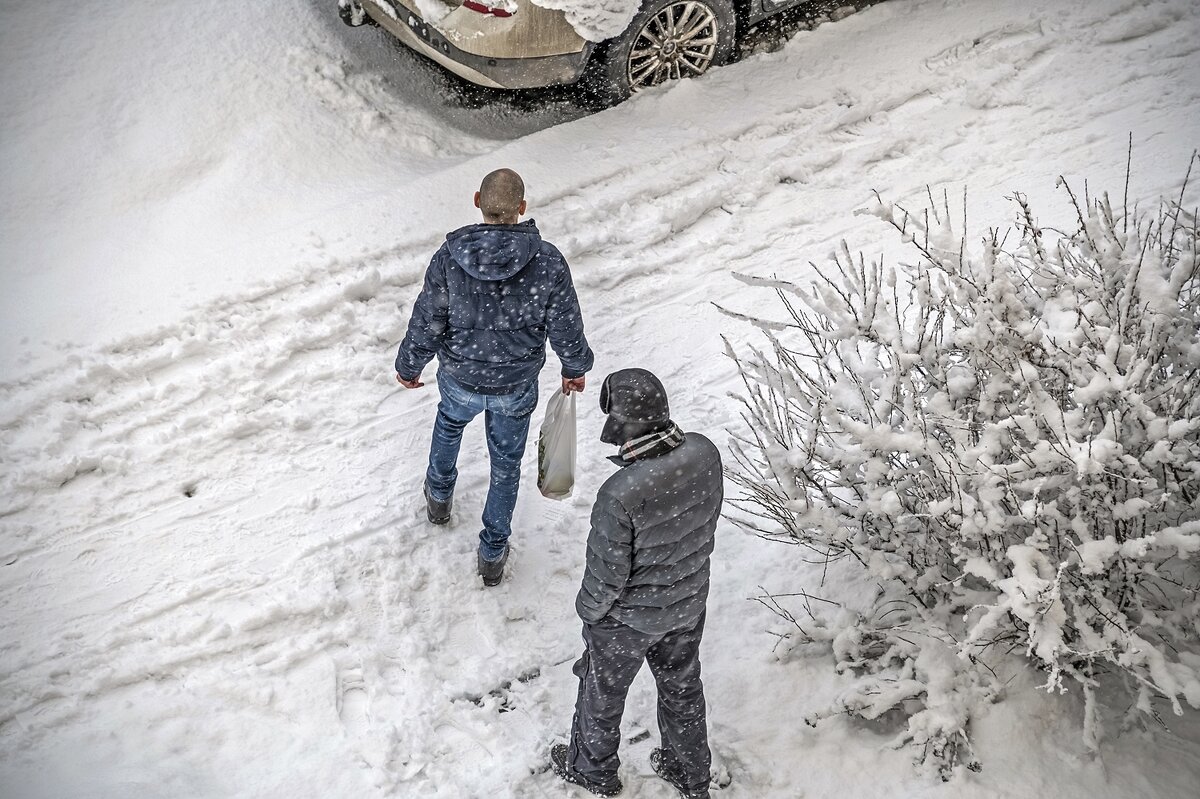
[(612, 656)]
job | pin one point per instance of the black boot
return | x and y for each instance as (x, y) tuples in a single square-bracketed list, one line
[(492, 571), (666, 766), (558, 762), (438, 512)]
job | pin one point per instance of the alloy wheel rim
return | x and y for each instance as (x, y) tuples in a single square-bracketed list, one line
[(677, 42)]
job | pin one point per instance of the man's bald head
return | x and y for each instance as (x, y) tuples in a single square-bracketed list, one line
[(501, 197)]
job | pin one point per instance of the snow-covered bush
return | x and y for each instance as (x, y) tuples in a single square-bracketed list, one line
[(1006, 437)]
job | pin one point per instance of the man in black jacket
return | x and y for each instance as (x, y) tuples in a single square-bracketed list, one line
[(644, 590), (494, 294)]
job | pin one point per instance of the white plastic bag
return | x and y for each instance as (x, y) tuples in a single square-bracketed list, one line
[(556, 447)]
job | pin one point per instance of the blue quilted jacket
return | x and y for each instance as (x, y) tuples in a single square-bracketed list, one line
[(493, 296)]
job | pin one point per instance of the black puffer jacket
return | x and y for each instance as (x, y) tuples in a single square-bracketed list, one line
[(652, 533)]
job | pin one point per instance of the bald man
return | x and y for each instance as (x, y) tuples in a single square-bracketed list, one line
[(494, 294)]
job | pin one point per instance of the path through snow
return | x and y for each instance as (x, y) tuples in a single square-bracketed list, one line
[(218, 576)]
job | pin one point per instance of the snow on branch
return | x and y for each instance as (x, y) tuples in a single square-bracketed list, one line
[(1006, 438)]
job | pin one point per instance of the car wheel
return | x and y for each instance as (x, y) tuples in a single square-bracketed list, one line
[(667, 40)]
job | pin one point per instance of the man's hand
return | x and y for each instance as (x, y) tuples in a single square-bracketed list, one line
[(414, 383), (573, 384)]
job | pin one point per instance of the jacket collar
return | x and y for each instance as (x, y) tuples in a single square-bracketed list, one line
[(650, 445)]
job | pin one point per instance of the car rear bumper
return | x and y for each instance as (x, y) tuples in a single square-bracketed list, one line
[(433, 42)]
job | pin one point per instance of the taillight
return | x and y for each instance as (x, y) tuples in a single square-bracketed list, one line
[(483, 8)]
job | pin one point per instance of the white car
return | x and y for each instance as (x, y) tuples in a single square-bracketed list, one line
[(517, 44)]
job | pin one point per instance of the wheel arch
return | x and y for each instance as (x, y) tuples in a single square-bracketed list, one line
[(594, 75), (744, 10)]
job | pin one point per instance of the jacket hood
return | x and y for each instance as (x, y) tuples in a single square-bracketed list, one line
[(494, 252)]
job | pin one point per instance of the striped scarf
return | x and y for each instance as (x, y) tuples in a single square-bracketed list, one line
[(651, 444)]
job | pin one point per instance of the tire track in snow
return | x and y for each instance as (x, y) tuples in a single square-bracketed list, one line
[(319, 318), (124, 397), (277, 407)]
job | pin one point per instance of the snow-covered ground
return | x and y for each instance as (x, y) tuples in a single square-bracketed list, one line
[(159, 155), (214, 572)]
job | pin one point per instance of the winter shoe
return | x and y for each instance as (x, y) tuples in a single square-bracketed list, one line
[(558, 762), (492, 571), (438, 512), (667, 767)]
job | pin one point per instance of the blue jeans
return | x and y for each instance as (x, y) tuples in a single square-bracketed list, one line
[(506, 420)]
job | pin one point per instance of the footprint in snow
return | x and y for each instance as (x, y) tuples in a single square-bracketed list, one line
[(353, 705)]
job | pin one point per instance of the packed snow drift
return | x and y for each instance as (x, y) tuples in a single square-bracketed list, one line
[(215, 570)]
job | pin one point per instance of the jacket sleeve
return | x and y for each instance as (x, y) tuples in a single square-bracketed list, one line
[(429, 323), (609, 559), (564, 327)]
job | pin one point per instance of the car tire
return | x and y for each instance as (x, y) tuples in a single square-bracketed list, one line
[(642, 56)]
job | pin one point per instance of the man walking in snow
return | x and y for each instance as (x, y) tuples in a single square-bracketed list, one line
[(493, 294), (644, 590)]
